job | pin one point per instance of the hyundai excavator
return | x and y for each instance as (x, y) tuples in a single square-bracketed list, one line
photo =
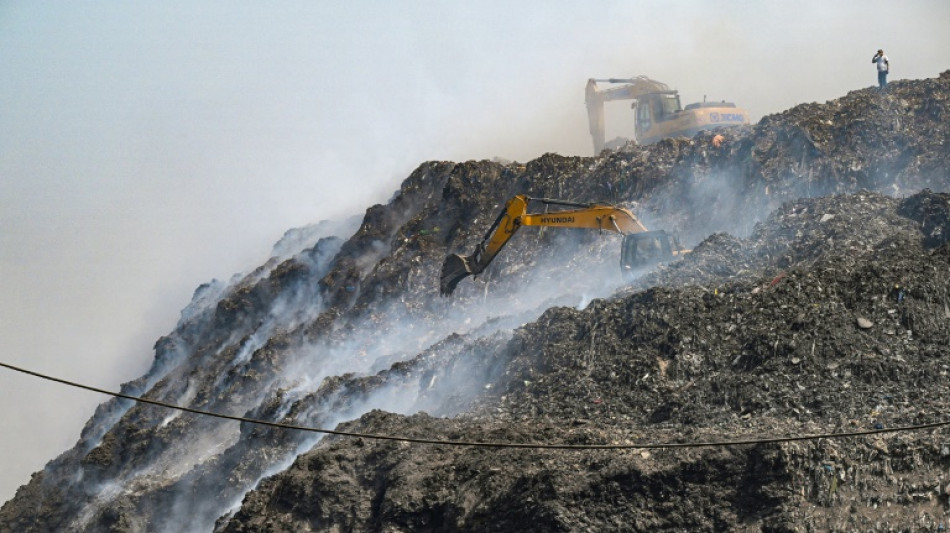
[(657, 112), (640, 248)]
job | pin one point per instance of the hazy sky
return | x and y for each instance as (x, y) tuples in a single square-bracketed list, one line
[(147, 147)]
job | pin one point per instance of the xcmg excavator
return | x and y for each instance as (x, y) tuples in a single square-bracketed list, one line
[(657, 112), (640, 248)]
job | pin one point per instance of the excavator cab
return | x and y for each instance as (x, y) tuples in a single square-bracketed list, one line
[(653, 108), (644, 250)]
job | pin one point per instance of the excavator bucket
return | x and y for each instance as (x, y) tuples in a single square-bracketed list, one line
[(454, 269)]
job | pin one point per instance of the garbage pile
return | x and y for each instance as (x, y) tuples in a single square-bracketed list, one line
[(814, 301), (844, 337)]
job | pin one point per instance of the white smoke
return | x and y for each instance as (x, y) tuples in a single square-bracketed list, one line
[(148, 147)]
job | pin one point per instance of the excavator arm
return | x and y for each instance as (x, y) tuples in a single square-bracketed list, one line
[(595, 98), (515, 215)]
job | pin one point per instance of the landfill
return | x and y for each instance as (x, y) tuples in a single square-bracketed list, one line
[(788, 374)]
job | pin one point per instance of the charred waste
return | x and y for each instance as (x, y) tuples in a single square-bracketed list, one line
[(814, 301)]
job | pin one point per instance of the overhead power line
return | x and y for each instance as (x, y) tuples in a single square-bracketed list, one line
[(485, 444)]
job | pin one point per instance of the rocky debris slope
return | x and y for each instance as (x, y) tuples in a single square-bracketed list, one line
[(848, 339), (829, 313)]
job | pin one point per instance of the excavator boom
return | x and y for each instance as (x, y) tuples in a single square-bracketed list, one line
[(515, 215)]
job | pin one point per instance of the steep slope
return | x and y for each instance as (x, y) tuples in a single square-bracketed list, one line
[(769, 357), (755, 333)]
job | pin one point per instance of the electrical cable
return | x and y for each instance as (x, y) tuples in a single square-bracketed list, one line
[(485, 444)]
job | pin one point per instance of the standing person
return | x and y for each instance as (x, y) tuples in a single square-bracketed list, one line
[(883, 67)]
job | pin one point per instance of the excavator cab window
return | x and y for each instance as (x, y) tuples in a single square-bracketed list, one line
[(643, 250), (644, 117), (671, 106)]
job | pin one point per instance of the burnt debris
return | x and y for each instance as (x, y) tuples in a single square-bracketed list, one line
[(815, 299)]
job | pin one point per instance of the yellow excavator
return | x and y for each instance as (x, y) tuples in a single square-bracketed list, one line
[(657, 112), (640, 248)]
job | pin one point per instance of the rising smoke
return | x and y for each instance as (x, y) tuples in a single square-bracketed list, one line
[(140, 161)]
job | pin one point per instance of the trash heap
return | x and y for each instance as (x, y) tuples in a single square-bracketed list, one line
[(844, 337), (814, 301)]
